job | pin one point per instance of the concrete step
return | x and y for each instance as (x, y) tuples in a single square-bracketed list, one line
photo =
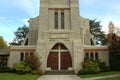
[(61, 72)]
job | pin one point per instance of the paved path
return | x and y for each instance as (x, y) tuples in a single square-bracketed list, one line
[(72, 77), (59, 77), (102, 77)]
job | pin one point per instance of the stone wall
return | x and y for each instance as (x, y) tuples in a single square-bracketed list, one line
[(103, 53)]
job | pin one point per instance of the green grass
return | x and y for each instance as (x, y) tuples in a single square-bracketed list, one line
[(12, 76), (100, 74), (114, 78)]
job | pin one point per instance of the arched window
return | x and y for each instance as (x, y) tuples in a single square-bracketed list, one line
[(26, 42), (92, 43), (62, 20), (56, 20)]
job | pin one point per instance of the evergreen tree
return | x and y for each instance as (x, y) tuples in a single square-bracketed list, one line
[(96, 31), (20, 35)]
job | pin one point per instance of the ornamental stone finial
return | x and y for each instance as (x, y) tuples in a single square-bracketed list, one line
[(111, 27)]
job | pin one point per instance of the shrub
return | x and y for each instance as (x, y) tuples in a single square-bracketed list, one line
[(86, 62), (6, 69), (1, 64), (103, 67), (37, 72), (89, 67), (94, 66), (22, 68), (89, 70), (33, 62)]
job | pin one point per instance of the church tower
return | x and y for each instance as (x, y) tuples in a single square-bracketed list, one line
[(60, 35)]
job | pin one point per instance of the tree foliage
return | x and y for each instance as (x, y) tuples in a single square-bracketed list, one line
[(114, 51), (20, 35), (3, 45), (33, 62), (96, 31)]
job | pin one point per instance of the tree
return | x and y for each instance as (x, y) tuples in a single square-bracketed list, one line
[(20, 35), (96, 31), (33, 62), (3, 45), (114, 51)]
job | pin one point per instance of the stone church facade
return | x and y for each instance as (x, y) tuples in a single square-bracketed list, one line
[(59, 37)]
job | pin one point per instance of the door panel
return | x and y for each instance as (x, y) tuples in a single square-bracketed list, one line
[(66, 61), (53, 60)]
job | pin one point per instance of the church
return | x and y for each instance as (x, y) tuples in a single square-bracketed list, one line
[(60, 38)]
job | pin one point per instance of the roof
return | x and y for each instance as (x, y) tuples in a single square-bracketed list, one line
[(4, 51)]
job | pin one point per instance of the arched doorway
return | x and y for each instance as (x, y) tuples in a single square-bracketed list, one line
[(59, 58)]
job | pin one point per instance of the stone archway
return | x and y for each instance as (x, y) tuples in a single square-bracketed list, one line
[(59, 58)]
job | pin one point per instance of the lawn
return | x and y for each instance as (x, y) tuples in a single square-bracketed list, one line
[(114, 78), (100, 74), (12, 76)]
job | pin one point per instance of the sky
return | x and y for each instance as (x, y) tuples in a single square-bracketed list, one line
[(16, 13)]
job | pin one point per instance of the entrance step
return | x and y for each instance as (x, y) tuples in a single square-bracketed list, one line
[(61, 72)]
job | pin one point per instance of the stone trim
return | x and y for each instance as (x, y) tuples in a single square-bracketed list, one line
[(23, 50), (62, 9), (94, 50)]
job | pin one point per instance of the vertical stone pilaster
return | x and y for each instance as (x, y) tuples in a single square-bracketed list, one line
[(13, 58), (78, 55), (42, 53)]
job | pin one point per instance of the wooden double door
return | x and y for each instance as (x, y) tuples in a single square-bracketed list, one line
[(59, 58)]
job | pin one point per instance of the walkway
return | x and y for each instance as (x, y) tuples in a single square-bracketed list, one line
[(102, 77), (59, 77), (72, 77)]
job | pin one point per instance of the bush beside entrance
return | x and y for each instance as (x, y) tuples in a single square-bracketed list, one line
[(30, 65), (91, 66), (22, 68)]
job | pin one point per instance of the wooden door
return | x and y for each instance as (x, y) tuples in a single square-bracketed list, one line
[(66, 61), (59, 58), (53, 60)]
